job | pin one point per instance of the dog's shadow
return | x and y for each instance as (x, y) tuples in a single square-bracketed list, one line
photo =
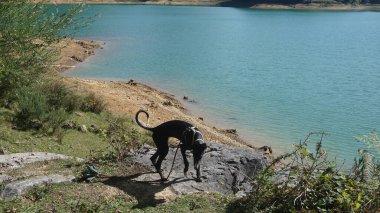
[(144, 191)]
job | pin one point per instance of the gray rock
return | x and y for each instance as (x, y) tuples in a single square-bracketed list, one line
[(15, 160), (4, 178), (224, 169), (15, 189)]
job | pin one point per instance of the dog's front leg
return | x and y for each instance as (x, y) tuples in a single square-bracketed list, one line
[(183, 152), (197, 168)]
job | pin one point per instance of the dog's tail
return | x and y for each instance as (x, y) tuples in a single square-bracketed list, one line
[(139, 122)]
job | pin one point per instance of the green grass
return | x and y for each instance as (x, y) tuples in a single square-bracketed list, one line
[(116, 194), (200, 202), (74, 143), (98, 197)]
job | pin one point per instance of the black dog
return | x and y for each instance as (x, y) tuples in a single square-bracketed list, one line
[(190, 137)]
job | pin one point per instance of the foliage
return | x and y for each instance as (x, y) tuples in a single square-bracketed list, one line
[(122, 137), (89, 174), (59, 96), (42, 106), (65, 198), (91, 103), (372, 140), (30, 108), (306, 181), (46, 105), (27, 31)]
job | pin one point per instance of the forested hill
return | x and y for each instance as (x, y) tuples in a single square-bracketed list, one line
[(250, 3), (344, 4)]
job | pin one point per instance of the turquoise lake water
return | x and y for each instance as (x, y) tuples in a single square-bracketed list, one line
[(275, 75)]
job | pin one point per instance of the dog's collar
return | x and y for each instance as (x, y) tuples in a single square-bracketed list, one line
[(195, 131)]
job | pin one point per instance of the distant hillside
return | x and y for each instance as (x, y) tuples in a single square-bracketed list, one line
[(251, 3), (312, 4)]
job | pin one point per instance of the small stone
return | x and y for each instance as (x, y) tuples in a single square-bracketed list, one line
[(132, 82), (70, 125), (167, 103), (78, 114), (4, 178), (93, 128), (2, 151), (231, 131), (83, 128)]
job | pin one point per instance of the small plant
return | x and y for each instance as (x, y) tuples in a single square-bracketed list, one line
[(117, 137), (85, 207), (38, 193), (54, 122), (92, 104), (89, 174)]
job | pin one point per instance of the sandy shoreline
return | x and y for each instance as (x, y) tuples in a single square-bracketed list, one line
[(126, 98)]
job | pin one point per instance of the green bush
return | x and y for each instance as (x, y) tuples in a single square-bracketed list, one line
[(122, 137), (304, 181), (43, 106), (59, 96), (91, 103), (54, 121), (28, 30), (30, 108)]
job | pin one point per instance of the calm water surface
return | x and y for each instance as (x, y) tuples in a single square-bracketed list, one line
[(274, 75)]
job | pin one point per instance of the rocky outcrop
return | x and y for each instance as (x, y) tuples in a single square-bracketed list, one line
[(13, 190), (15, 160), (4, 178), (224, 169)]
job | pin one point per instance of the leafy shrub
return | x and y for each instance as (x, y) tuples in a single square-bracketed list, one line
[(122, 137), (91, 103), (42, 106), (30, 108), (59, 96), (305, 181), (28, 30), (54, 122)]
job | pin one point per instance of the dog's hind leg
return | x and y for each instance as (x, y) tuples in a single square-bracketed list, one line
[(162, 154), (162, 151), (155, 155), (154, 158)]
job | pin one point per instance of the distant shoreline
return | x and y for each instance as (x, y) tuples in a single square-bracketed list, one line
[(311, 6)]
